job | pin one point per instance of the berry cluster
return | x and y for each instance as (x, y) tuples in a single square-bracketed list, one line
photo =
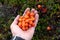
[(26, 21)]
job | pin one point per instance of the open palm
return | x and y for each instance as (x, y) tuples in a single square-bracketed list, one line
[(16, 31)]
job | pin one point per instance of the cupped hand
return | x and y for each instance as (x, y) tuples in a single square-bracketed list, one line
[(16, 31)]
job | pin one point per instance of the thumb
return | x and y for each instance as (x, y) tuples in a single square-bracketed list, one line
[(16, 20)]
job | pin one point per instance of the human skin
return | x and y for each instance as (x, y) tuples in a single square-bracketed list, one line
[(27, 35)]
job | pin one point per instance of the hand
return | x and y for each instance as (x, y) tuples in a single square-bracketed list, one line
[(16, 31)]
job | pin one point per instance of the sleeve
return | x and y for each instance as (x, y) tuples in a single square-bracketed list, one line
[(17, 38)]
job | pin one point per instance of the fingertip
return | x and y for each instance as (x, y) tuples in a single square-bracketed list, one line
[(18, 15), (16, 19), (33, 10), (27, 9)]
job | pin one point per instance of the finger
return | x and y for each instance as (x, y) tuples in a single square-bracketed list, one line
[(36, 19), (33, 10), (28, 9), (16, 20), (36, 12)]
